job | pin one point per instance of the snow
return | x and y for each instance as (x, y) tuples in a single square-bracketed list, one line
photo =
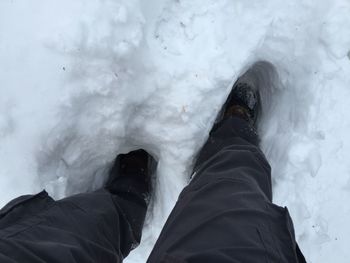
[(81, 81)]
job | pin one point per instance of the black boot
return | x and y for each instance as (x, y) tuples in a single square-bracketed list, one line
[(243, 101), (130, 183), (131, 174), (237, 118)]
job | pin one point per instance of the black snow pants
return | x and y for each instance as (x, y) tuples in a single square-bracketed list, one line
[(224, 215)]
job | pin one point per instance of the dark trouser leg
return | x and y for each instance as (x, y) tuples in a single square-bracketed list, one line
[(92, 227), (226, 213)]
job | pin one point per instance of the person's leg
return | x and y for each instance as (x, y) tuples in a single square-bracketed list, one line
[(102, 226), (226, 213)]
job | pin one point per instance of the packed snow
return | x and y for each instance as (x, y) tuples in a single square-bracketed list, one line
[(81, 81)]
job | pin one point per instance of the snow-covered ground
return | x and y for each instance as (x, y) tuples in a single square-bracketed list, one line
[(81, 81)]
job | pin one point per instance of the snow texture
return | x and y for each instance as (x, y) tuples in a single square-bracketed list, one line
[(81, 81)]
